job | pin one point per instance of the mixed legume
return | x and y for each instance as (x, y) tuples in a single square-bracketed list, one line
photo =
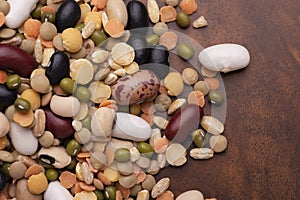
[(90, 110)]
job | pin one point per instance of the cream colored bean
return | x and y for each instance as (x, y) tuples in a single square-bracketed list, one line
[(47, 54), (4, 125), (201, 153), (81, 71), (100, 91), (47, 139), (40, 83), (190, 76), (176, 154), (160, 187), (132, 68), (122, 54), (174, 83), (65, 106), (177, 104), (40, 122), (212, 125), (218, 143), (153, 11)]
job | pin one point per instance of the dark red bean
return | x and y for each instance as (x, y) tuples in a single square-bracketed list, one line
[(17, 60), (60, 127), (184, 122)]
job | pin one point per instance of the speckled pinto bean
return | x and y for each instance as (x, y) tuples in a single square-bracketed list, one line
[(17, 60), (136, 88)]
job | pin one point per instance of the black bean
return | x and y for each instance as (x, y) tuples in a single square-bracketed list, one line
[(67, 15), (7, 96), (159, 54), (139, 43), (2, 180), (137, 16), (58, 68)]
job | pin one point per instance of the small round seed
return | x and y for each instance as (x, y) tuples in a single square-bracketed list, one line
[(190, 76), (183, 19), (218, 143), (185, 51)]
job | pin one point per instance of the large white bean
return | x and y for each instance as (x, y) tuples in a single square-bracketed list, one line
[(56, 191), (102, 122), (131, 127), (23, 139), (191, 195), (65, 106), (19, 12), (224, 57)]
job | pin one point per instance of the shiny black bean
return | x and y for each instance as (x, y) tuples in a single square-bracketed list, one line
[(137, 16), (7, 96), (58, 68), (139, 43), (67, 15)]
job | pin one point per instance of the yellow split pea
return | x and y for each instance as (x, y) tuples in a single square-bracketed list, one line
[(72, 39)]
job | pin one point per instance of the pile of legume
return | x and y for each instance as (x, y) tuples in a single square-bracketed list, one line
[(90, 106)]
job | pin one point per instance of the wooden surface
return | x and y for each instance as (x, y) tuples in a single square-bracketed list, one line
[(262, 120)]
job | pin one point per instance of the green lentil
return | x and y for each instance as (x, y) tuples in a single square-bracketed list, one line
[(122, 155), (110, 192), (152, 39), (80, 26), (185, 51), (13, 81), (198, 137), (83, 94), (99, 37), (68, 85), (215, 98), (5, 169), (99, 195), (36, 13), (48, 17), (51, 174), (72, 165), (22, 105), (73, 147), (145, 149), (183, 19)]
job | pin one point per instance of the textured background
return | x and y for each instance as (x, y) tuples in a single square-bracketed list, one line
[(262, 123)]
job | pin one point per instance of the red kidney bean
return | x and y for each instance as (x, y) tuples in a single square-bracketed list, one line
[(17, 60), (184, 122), (60, 127)]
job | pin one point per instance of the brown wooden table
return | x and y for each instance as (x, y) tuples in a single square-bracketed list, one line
[(262, 122)]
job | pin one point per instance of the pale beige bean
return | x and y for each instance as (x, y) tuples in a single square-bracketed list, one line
[(160, 187), (218, 143), (17, 170), (65, 106), (40, 123), (190, 76), (4, 125), (6, 156)]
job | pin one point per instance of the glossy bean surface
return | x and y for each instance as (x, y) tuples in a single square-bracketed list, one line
[(17, 60), (184, 122)]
